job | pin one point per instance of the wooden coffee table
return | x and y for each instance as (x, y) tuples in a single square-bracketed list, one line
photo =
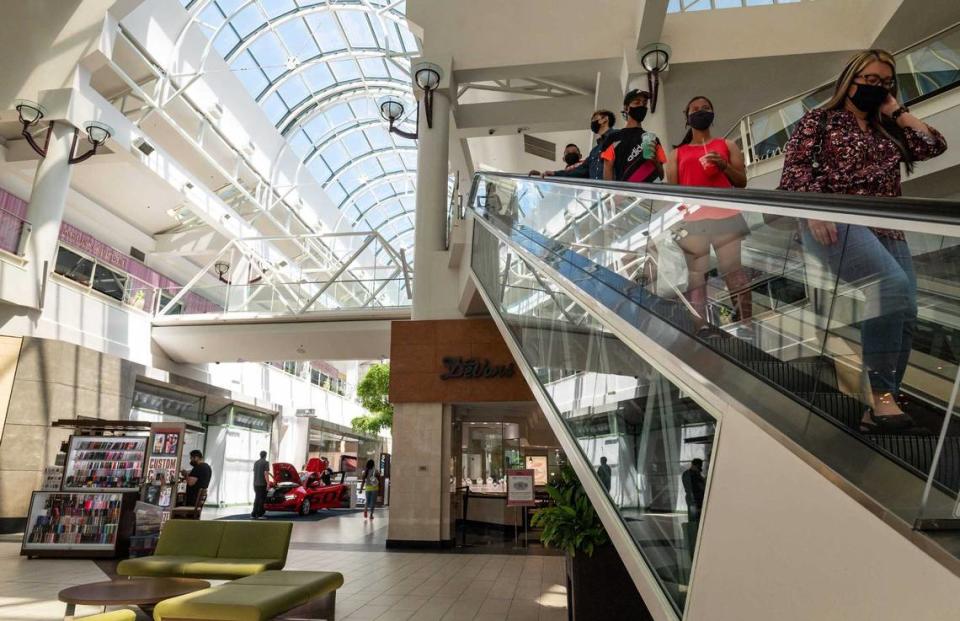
[(127, 591)]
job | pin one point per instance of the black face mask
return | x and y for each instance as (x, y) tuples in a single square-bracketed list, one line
[(595, 127), (637, 113), (571, 158), (701, 119), (869, 97)]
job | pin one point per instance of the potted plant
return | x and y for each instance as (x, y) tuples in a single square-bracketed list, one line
[(598, 585)]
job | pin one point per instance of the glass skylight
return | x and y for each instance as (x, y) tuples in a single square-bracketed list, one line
[(317, 68), (688, 6)]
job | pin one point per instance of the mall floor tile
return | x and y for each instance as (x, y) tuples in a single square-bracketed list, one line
[(380, 585)]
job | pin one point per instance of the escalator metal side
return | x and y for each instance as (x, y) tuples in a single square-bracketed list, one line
[(653, 596), (882, 487)]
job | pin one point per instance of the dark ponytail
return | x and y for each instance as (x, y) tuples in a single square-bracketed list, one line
[(688, 137)]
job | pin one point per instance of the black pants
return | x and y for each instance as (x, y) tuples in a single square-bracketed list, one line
[(259, 495)]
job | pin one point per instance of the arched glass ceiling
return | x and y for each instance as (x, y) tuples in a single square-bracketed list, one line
[(317, 68), (684, 6)]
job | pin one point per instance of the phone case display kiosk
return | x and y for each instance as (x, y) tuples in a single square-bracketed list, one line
[(160, 486), (93, 511), (91, 515)]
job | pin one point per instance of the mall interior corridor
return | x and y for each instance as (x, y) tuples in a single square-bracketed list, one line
[(629, 310)]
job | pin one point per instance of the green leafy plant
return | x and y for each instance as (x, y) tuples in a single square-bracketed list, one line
[(374, 393), (571, 524)]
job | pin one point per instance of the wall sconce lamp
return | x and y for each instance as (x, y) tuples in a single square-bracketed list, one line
[(31, 113), (427, 77), (655, 58), (222, 267)]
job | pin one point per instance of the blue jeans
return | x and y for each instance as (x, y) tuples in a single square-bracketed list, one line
[(371, 500), (883, 269)]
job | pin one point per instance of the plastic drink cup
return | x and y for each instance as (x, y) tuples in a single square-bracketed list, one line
[(708, 166)]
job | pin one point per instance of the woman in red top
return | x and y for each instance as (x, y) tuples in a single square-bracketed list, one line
[(704, 161)]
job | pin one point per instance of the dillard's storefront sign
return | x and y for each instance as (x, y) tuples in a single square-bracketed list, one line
[(474, 368)]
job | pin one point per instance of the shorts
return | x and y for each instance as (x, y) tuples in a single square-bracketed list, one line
[(709, 227)]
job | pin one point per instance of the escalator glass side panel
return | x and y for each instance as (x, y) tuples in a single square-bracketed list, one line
[(858, 329), (649, 444)]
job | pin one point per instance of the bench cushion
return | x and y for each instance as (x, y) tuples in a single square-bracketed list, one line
[(254, 598), (191, 538), (229, 601), (319, 582), (255, 540), (113, 615), (158, 566), (228, 568)]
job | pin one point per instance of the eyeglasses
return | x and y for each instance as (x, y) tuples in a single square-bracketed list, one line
[(875, 80)]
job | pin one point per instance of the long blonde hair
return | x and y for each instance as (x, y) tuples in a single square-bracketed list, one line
[(885, 126)]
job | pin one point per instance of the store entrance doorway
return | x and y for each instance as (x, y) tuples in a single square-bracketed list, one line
[(488, 441)]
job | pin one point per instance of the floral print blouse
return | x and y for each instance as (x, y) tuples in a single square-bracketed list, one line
[(852, 161)]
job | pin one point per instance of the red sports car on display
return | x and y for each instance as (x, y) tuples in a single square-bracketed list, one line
[(316, 488)]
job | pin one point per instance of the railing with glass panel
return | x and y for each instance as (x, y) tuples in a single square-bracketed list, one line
[(856, 331), (924, 69)]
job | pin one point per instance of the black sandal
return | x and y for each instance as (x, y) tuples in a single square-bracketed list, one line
[(892, 423)]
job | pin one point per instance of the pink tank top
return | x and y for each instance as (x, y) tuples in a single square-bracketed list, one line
[(692, 173)]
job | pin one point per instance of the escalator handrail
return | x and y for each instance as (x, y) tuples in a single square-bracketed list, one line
[(900, 212)]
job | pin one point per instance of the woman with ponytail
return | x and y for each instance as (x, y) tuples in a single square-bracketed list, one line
[(704, 161), (855, 144)]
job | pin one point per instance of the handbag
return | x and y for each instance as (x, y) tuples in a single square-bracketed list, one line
[(789, 223)]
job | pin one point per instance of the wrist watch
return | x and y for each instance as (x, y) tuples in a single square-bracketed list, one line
[(899, 112)]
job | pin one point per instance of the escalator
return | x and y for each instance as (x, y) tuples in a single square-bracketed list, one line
[(640, 361)]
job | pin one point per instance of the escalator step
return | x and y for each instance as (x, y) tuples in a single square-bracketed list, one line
[(918, 450)]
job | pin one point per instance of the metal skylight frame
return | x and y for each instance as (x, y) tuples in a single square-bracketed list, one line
[(691, 6), (385, 39)]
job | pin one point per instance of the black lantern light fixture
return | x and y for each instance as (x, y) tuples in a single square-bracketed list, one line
[(655, 58), (31, 113), (427, 77), (392, 109), (221, 267)]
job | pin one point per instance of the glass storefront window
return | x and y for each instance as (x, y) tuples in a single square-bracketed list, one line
[(73, 266), (109, 283)]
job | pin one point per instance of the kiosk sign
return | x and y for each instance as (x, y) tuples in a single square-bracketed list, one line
[(520, 489)]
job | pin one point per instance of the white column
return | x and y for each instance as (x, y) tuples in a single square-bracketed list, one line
[(45, 210), (433, 151)]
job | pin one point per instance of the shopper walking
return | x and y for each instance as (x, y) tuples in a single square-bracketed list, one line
[(704, 161), (261, 478), (605, 474), (694, 488), (855, 144), (371, 487), (634, 154)]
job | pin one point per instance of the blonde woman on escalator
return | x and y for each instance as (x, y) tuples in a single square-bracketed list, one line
[(855, 144)]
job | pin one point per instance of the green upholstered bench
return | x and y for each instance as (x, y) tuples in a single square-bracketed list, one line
[(213, 550), (304, 594), (115, 615)]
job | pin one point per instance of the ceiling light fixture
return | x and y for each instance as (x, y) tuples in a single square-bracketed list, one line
[(31, 113), (655, 58)]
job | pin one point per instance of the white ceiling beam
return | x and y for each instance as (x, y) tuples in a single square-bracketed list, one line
[(563, 114), (541, 70)]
